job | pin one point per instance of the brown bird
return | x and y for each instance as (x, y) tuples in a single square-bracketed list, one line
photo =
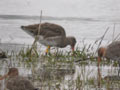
[(112, 51), (16, 82), (51, 35)]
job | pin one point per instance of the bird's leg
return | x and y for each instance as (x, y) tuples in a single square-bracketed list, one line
[(47, 50), (57, 51), (119, 68)]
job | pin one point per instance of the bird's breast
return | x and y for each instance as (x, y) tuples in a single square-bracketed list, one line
[(51, 41)]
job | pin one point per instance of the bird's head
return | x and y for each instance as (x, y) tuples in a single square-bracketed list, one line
[(72, 42), (101, 53), (11, 73)]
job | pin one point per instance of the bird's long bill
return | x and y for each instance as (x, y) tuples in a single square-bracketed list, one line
[(3, 77), (99, 74), (72, 48), (99, 60)]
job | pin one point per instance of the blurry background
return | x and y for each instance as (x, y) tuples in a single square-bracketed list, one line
[(62, 8), (84, 19)]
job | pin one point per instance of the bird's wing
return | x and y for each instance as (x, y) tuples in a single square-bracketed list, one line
[(51, 30), (47, 29)]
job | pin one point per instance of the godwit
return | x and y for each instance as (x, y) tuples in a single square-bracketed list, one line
[(51, 35), (16, 82), (112, 51)]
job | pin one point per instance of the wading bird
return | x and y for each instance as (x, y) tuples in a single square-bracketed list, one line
[(16, 82), (112, 51), (51, 35)]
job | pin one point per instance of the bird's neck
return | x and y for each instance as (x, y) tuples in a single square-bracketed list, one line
[(104, 53), (15, 74), (66, 41)]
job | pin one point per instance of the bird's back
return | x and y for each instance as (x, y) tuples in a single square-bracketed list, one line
[(113, 51), (46, 30), (50, 29)]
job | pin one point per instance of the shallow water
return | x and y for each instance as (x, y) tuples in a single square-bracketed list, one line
[(63, 75), (90, 19), (13, 39), (106, 9), (87, 30)]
